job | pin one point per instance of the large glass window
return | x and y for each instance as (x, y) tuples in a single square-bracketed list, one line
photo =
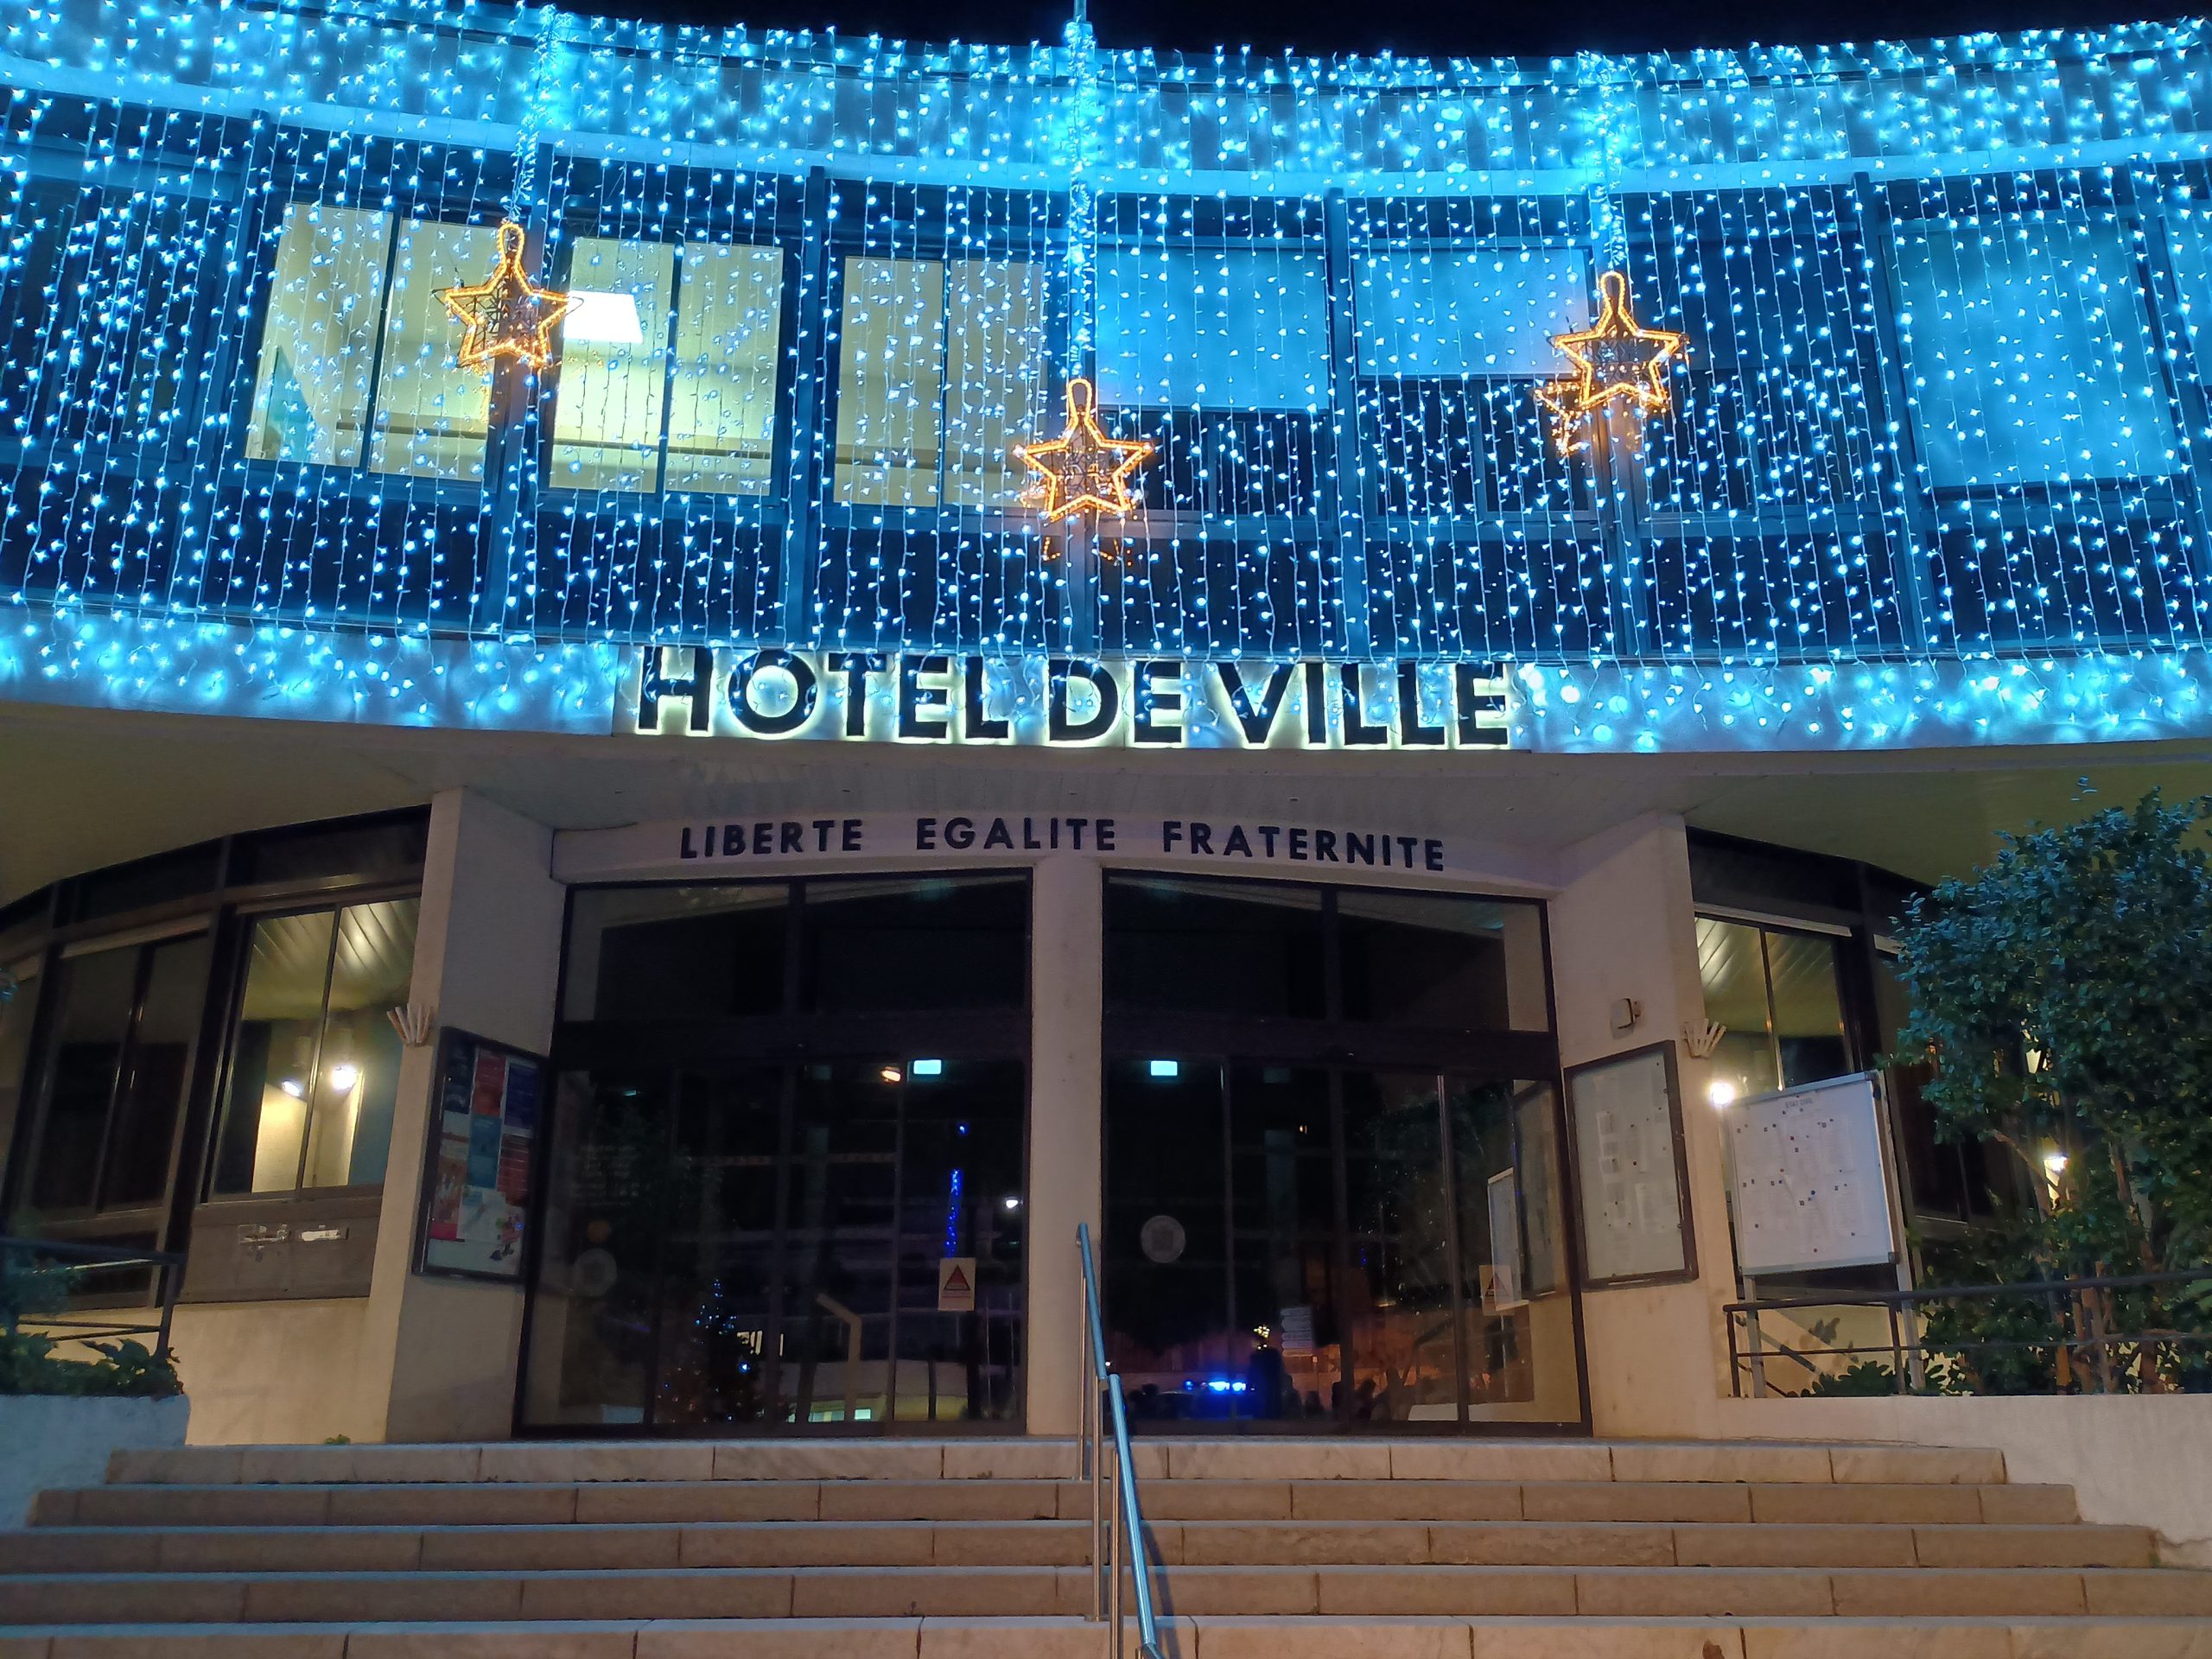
[(1778, 993), (723, 395), (606, 426), (1458, 312), (2029, 345), (835, 946), (1228, 328), (1282, 950), (939, 376), (797, 1195), (315, 1064), (1333, 1185), (633, 415), (126, 1017), (311, 394), (314, 398)]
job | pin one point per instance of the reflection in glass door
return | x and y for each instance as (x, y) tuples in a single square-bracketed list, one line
[(820, 1243), (1335, 1246)]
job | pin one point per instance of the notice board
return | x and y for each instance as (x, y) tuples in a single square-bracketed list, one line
[(1812, 1179), (481, 1158)]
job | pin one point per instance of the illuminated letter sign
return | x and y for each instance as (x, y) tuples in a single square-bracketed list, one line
[(1062, 701)]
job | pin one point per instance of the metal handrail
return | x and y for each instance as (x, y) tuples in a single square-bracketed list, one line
[(68, 1256), (1910, 1350), (1123, 1536)]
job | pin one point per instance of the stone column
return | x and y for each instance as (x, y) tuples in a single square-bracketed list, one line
[(1067, 1143), (443, 1352), (1623, 927)]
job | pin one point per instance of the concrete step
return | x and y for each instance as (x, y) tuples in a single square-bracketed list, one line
[(519, 1503), (1352, 1592), (1265, 1458), (1204, 1637), (1058, 1544)]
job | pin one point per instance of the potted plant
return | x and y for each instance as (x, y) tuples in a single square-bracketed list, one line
[(61, 1417)]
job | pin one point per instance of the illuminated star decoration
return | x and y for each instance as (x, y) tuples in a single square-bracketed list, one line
[(1082, 469), (507, 314), (1616, 359)]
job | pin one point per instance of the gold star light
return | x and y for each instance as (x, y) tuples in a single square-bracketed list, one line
[(1082, 469), (1616, 359), (507, 314)]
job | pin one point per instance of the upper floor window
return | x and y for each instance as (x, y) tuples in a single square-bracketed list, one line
[(636, 412), (939, 376), (357, 358), (1219, 354), (1450, 341), (2030, 353), (315, 1061)]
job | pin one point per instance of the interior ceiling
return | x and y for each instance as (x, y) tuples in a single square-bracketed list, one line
[(83, 788)]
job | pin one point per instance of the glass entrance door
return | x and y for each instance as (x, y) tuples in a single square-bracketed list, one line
[(1332, 1182), (1330, 1246), (822, 1243)]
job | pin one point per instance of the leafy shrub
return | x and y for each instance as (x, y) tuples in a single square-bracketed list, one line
[(1867, 1377), (29, 1364)]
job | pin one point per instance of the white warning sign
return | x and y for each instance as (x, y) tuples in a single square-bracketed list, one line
[(956, 1284)]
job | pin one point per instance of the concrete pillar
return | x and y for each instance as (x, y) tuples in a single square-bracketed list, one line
[(443, 1352), (1066, 1139), (1624, 927)]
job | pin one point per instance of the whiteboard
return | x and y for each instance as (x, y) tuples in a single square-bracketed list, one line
[(1625, 1115), (1812, 1186)]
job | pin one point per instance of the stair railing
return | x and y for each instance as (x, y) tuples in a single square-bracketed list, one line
[(1116, 1539)]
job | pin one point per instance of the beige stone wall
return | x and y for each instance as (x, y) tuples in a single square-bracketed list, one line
[(1623, 927), (443, 1352), (2140, 1460), (277, 1371)]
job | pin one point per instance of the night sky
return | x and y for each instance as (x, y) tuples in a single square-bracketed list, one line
[(1482, 28)]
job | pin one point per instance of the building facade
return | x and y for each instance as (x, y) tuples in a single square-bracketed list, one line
[(671, 697)]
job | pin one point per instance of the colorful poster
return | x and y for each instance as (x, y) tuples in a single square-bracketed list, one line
[(479, 1178)]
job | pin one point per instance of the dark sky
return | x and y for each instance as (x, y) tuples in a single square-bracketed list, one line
[(1474, 28)]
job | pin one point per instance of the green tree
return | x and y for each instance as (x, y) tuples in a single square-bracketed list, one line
[(2061, 999)]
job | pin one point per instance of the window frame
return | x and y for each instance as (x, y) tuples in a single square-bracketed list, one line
[(765, 507), (930, 238), (96, 1222), (239, 921)]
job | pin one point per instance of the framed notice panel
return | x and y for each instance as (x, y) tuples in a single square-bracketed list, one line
[(479, 1160), (1625, 1119), (1812, 1182)]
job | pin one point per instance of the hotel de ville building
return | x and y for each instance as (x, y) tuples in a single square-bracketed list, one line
[(670, 698)]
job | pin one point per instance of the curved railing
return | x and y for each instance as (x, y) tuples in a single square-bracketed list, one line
[(1117, 1538)]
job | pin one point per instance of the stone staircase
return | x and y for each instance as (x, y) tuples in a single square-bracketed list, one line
[(976, 1549)]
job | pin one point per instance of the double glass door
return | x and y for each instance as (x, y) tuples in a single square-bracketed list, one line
[(805, 1243), (1317, 1246)]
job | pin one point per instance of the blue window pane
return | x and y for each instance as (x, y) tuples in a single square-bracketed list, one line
[(1228, 328), (2029, 349), (1460, 311)]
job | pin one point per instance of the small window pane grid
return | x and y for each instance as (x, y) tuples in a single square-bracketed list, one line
[(193, 434)]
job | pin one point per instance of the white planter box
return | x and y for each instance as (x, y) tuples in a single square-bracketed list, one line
[(49, 1440)]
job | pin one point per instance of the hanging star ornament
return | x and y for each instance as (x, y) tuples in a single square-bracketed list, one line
[(1083, 470), (1616, 359), (506, 315)]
